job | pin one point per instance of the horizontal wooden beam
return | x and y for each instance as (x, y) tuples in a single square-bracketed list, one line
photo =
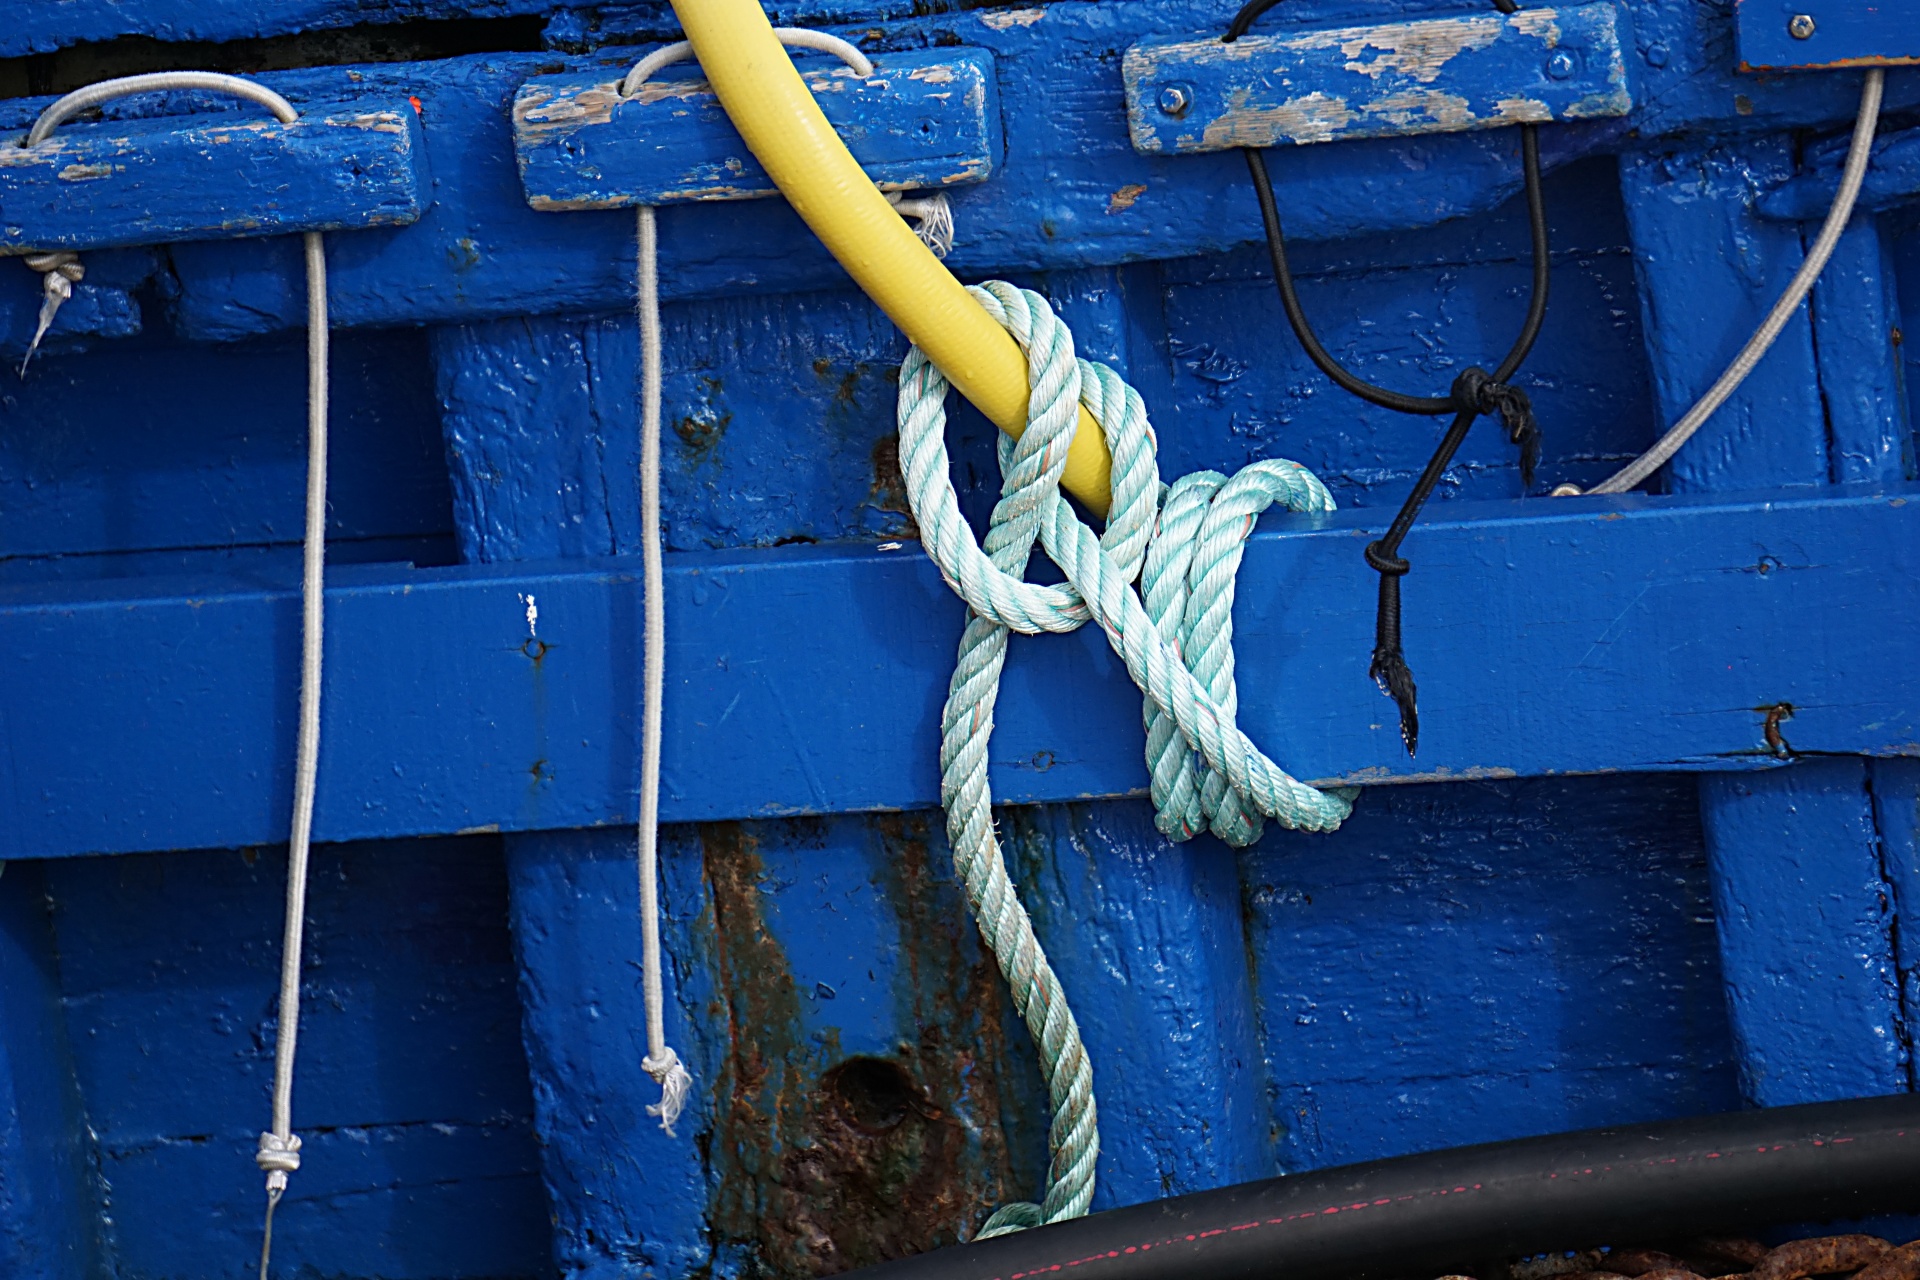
[(1391, 79), (1547, 637), (214, 176), (922, 120)]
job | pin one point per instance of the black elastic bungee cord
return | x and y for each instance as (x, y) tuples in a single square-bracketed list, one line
[(1474, 392)]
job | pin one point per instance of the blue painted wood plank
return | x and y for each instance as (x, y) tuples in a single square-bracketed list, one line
[(211, 451), (624, 1194), (1467, 963), (1150, 944), (1893, 179), (212, 178), (1896, 818), (1856, 327), (1394, 79), (1835, 33), (51, 1199), (1801, 903), (1804, 908), (1709, 270), (412, 1095), (1576, 636), (921, 120)]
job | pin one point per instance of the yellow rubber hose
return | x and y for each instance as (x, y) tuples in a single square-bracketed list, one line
[(784, 128)]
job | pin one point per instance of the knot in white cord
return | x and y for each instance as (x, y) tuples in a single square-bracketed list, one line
[(59, 272), (668, 1072), (278, 1157), (933, 219), (1177, 643)]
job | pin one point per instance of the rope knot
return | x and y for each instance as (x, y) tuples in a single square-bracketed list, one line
[(278, 1157), (59, 272), (1384, 561), (1183, 544), (1475, 391), (675, 1084)]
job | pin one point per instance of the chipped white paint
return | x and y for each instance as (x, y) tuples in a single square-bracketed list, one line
[(1436, 75), (1524, 110), (1314, 118), (533, 614), (1007, 19), (1543, 24), (85, 172), (1417, 50)]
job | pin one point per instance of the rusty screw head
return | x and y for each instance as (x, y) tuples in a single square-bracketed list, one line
[(1175, 99), (1561, 64), (1800, 26)]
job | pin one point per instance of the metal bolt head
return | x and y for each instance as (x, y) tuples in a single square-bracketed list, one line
[(1175, 99), (1561, 64), (1800, 26)]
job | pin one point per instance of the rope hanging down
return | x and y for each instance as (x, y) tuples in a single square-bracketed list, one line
[(1474, 393), (1185, 548), (661, 1062), (279, 1153)]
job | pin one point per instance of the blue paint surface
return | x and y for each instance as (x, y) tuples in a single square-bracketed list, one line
[(1149, 942), (1811, 980), (1848, 33), (50, 1191), (180, 178), (411, 1093), (1487, 960), (921, 120), (82, 440)]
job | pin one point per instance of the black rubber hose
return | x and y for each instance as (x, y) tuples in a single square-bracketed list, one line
[(1419, 1216)]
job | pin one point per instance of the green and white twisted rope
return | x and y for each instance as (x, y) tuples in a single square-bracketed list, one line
[(1184, 543)]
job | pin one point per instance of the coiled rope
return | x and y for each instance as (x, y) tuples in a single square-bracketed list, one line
[(279, 1151), (1184, 543)]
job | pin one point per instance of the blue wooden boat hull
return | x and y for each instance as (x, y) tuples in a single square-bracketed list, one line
[(1659, 855)]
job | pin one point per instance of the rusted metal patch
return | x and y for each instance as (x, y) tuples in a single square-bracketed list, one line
[(825, 1162)]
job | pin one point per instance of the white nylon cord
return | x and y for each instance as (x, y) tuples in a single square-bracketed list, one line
[(792, 37), (279, 1151), (661, 1062), (1858, 155)]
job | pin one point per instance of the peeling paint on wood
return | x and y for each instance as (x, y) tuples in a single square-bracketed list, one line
[(1436, 75), (211, 177), (921, 120)]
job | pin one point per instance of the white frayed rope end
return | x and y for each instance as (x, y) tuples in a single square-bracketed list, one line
[(675, 1085)]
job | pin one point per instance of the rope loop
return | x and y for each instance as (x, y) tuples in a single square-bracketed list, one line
[(1184, 545)]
